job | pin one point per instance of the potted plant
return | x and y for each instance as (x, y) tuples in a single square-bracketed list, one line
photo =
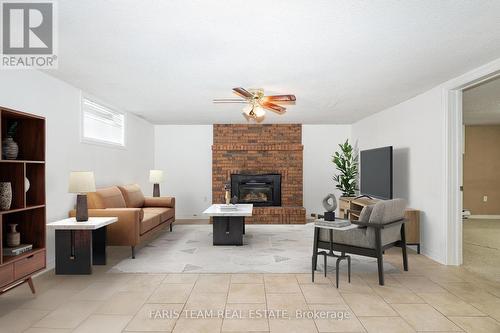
[(10, 149), (346, 163)]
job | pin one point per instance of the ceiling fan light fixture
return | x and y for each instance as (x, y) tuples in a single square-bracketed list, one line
[(258, 103), (259, 111), (248, 109)]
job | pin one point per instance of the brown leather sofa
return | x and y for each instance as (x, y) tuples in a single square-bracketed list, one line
[(139, 217)]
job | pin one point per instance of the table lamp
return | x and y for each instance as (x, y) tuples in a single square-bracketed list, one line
[(155, 178), (81, 182)]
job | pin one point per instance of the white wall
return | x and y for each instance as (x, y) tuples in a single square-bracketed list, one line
[(35, 92), (415, 129), (184, 152), (426, 133), (320, 143)]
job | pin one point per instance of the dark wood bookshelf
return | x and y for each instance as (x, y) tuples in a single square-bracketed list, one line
[(28, 209)]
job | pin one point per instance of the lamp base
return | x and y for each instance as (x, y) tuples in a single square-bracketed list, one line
[(156, 190), (82, 211)]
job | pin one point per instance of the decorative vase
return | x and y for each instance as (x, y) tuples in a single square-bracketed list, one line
[(10, 149), (26, 184), (5, 195), (13, 237), (234, 200)]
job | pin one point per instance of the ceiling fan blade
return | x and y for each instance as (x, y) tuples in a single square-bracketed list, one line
[(273, 107), (243, 92), (280, 98), (229, 100)]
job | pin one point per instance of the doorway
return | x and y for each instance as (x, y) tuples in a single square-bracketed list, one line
[(481, 179)]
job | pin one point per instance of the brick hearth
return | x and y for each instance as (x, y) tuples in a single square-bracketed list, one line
[(260, 149)]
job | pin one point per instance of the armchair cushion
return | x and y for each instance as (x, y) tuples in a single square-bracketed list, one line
[(159, 202), (364, 216), (362, 237), (133, 195), (388, 211)]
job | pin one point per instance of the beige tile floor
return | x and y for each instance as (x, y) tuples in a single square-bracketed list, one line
[(481, 247), (430, 297)]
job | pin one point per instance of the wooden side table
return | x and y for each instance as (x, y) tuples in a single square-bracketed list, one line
[(79, 245)]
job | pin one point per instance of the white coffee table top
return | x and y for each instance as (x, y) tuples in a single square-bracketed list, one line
[(242, 210), (92, 224)]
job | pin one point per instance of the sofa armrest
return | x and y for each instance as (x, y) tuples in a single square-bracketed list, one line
[(126, 230), (159, 202)]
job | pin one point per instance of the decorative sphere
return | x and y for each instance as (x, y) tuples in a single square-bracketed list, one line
[(26, 184), (330, 206)]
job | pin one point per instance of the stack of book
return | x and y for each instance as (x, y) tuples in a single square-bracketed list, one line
[(229, 207), (17, 250), (333, 224)]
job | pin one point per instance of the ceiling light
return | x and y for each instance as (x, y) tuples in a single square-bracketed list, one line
[(259, 111)]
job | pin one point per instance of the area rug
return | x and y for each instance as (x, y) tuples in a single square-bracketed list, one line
[(266, 249)]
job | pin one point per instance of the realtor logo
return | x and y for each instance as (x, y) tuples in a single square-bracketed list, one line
[(28, 35)]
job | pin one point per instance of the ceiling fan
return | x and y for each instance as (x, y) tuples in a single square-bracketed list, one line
[(257, 103)]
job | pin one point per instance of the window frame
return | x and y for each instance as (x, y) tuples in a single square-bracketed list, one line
[(98, 142)]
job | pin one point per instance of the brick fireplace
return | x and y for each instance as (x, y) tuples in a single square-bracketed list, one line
[(261, 150)]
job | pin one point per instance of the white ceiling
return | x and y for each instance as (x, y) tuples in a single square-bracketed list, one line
[(344, 60), (481, 104)]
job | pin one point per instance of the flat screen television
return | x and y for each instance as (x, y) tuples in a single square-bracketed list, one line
[(376, 172)]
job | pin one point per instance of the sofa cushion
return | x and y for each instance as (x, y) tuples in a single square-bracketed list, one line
[(133, 195), (107, 197), (149, 222), (165, 213)]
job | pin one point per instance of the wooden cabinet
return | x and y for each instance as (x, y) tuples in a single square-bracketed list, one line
[(412, 227), (28, 204), (6, 274), (29, 264), (344, 206)]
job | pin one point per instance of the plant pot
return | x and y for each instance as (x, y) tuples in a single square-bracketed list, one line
[(5, 195), (13, 237), (10, 149)]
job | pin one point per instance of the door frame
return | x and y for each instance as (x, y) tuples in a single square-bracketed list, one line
[(454, 147)]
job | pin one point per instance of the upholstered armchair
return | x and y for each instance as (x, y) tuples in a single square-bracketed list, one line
[(380, 227)]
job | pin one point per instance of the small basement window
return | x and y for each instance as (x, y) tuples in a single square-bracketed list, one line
[(102, 125)]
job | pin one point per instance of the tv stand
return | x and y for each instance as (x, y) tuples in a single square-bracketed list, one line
[(356, 204), (362, 196)]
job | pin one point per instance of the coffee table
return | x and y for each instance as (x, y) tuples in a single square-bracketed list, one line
[(79, 245), (228, 225)]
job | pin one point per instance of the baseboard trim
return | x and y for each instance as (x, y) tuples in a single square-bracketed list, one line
[(485, 217)]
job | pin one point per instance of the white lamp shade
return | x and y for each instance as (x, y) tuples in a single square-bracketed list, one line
[(81, 182), (155, 176)]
